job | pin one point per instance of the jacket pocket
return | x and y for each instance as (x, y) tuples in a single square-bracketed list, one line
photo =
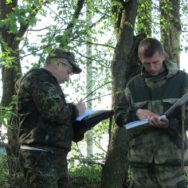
[(167, 103), (143, 104)]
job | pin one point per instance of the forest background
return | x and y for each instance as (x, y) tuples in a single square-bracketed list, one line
[(104, 36)]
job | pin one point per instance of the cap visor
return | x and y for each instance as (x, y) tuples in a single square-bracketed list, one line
[(76, 69)]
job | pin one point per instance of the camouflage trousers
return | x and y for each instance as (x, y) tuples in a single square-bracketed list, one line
[(44, 169), (158, 176)]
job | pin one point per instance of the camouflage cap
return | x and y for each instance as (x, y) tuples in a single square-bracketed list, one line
[(69, 56)]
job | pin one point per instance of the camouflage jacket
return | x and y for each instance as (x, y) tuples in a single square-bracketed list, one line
[(156, 93), (45, 118)]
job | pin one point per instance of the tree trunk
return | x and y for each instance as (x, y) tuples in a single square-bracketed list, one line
[(89, 87), (11, 71), (115, 171), (9, 77), (89, 83), (171, 28)]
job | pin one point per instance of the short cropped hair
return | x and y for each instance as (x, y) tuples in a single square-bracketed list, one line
[(149, 46)]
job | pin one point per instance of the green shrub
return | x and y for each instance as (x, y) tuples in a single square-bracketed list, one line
[(3, 171), (91, 174)]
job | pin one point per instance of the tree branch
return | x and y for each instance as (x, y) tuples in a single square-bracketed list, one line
[(97, 44), (94, 91), (76, 14), (70, 26), (24, 26)]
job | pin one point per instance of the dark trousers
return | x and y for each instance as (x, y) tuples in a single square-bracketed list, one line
[(44, 169)]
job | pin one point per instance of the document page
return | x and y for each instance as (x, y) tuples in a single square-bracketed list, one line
[(86, 113), (136, 124)]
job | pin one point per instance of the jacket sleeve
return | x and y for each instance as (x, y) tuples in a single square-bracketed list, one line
[(121, 112), (186, 105), (124, 113), (175, 123)]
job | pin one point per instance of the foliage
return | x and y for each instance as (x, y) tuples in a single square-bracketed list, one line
[(91, 173), (184, 18), (88, 169), (56, 32), (51, 28), (7, 117), (3, 171), (143, 17)]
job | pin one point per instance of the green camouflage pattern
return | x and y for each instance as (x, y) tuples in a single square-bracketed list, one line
[(163, 145), (44, 169), (147, 145), (45, 118), (154, 176)]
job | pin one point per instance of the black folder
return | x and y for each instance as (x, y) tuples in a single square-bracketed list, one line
[(88, 122)]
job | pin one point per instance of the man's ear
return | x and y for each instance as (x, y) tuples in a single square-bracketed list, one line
[(56, 63)]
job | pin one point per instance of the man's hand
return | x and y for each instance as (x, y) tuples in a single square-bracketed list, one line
[(144, 114), (159, 121), (154, 119), (81, 108)]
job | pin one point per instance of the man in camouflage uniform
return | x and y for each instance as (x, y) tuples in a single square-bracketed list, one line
[(45, 120), (155, 151)]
